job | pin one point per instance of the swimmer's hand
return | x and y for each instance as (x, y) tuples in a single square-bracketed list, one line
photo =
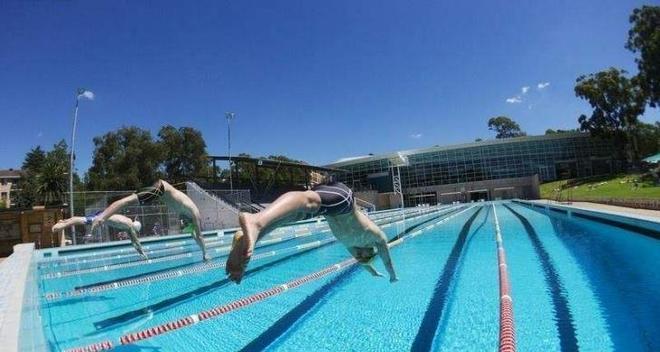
[(58, 227), (98, 222), (377, 274), (370, 268)]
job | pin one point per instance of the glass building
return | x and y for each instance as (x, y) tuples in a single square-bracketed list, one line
[(474, 167)]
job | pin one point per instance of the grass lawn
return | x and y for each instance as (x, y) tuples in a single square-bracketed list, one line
[(608, 186)]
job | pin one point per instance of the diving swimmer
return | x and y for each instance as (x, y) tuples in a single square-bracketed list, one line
[(172, 197), (362, 237), (116, 221)]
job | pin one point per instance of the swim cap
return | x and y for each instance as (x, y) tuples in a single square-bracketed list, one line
[(137, 226)]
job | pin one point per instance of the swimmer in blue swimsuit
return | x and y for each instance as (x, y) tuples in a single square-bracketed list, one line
[(116, 221), (361, 236)]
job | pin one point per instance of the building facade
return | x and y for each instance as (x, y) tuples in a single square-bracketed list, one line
[(8, 179), (493, 169)]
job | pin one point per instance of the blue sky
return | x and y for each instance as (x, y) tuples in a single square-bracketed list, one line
[(312, 80)]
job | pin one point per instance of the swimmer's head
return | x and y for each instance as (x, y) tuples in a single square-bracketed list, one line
[(365, 255), (137, 226)]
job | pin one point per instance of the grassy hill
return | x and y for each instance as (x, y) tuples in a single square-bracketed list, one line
[(625, 186)]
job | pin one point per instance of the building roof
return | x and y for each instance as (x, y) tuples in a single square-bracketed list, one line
[(272, 163), (10, 173), (361, 159)]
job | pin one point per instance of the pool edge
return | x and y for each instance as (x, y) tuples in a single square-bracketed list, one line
[(648, 225), (13, 295)]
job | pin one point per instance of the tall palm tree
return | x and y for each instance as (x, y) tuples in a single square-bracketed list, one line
[(51, 181)]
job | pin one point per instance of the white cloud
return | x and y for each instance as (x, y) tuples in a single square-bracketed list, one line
[(87, 94), (525, 89), (514, 100), (542, 85), (40, 134), (416, 135)]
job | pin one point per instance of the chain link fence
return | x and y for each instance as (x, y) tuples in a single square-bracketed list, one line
[(155, 218), (218, 209)]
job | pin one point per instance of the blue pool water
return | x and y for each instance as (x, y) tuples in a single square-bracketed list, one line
[(576, 285)]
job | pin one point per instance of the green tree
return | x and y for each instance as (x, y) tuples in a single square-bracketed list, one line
[(617, 103), (125, 159), (505, 127), (45, 176), (648, 137), (52, 181), (34, 159), (26, 194), (644, 38), (184, 153)]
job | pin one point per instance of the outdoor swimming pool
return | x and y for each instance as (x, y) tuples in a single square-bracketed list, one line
[(576, 284)]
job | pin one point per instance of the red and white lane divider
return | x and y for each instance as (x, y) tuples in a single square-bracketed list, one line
[(101, 346), (507, 326), (238, 304)]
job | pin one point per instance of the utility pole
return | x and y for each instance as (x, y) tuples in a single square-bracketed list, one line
[(230, 116)]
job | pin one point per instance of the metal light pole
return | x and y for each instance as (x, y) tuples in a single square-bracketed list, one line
[(71, 157), (89, 95), (230, 116)]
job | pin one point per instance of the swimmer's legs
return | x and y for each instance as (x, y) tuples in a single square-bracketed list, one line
[(291, 206), (73, 221)]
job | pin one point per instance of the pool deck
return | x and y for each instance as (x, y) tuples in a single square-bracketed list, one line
[(632, 212), (13, 276)]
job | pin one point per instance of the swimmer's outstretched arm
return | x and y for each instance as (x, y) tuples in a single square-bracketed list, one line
[(384, 253), (63, 224), (197, 234), (125, 223), (136, 242), (112, 209), (380, 242)]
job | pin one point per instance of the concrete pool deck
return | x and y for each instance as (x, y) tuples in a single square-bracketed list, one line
[(634, 212), (636, 220), (13, 277)]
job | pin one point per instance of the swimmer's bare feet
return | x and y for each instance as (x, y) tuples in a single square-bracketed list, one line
[(242, 247)]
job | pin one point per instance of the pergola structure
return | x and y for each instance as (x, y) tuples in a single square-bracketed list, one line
[(260, 174)]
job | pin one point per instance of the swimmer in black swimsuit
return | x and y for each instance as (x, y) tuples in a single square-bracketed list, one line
[(172, 197), (361, 236)]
